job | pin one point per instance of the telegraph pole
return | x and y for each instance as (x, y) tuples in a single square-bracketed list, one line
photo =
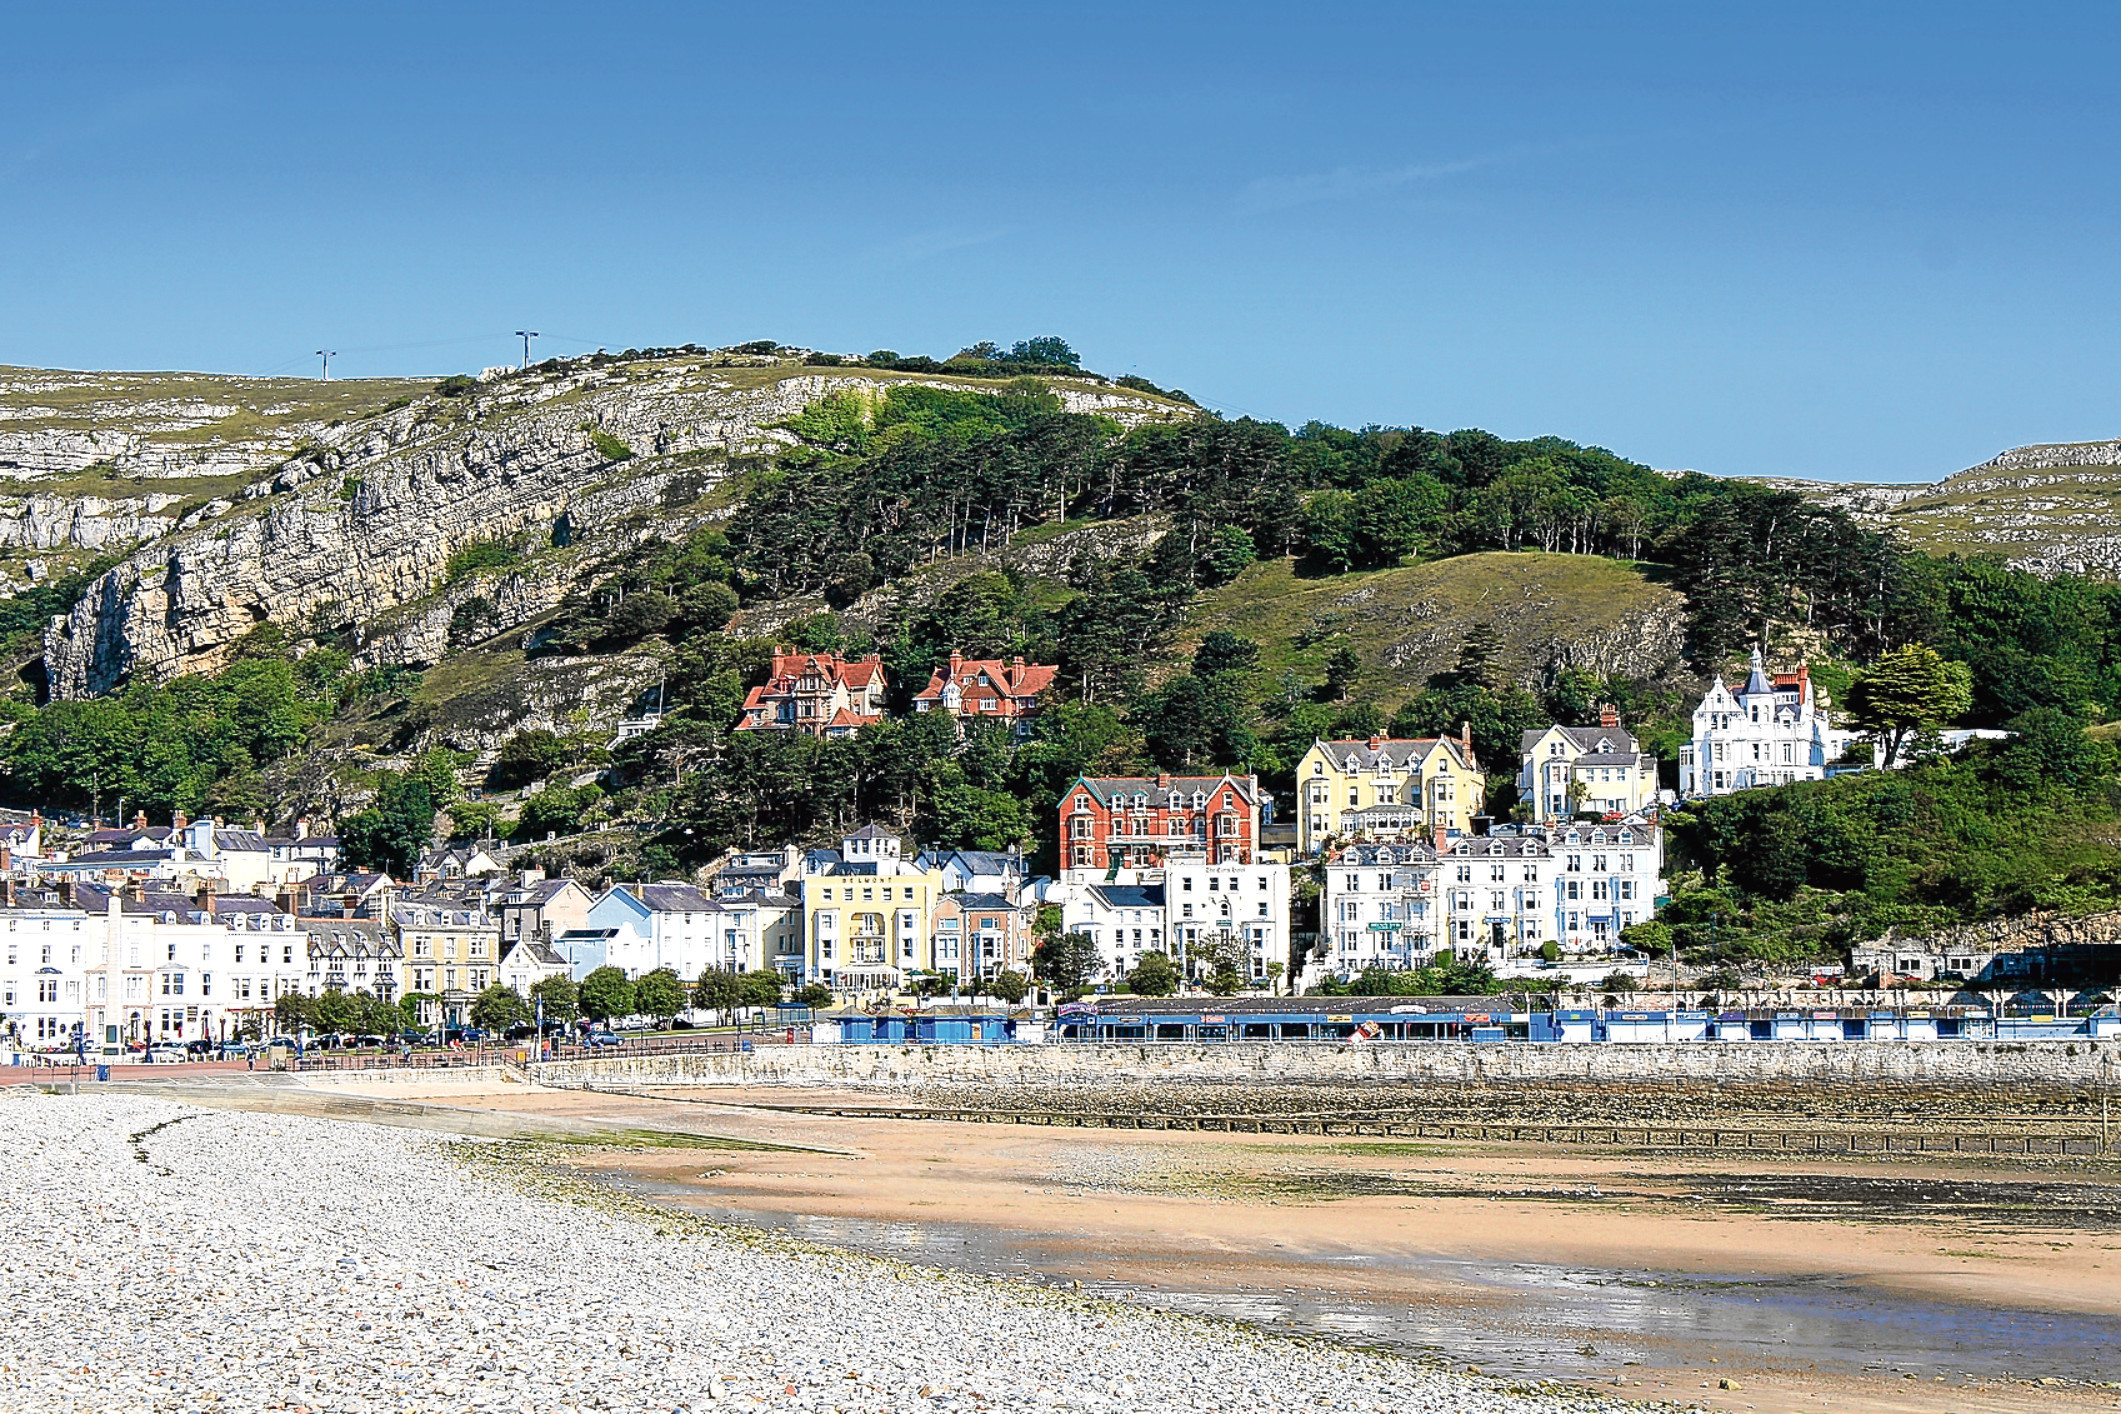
[(327, 355), (526, 335)]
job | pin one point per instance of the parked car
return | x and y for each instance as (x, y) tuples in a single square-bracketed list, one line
[(472, 1033), (604, 1038), (370, 1041), (168, 1055)]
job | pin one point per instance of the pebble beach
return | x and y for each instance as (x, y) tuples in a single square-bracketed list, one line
[(159, 1256)]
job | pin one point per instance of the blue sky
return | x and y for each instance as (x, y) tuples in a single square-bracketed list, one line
[(1862, 242)]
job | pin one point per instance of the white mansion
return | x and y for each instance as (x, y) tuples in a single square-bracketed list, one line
[(1767, 732)]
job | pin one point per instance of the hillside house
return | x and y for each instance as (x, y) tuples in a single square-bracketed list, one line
[(1764, 732), (986, 689), (818, 693)]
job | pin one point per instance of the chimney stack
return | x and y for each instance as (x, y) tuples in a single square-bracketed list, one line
[(955, 659), (140, 821), (302, 827), (1608, 716), (1376, 743)]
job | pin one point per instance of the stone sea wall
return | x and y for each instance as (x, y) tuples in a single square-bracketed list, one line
[(1871, 1065)]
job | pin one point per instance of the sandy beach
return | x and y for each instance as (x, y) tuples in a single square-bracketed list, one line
[(1480, 1244)]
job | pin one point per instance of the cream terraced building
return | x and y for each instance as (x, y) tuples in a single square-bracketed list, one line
[(1601, 770), (1386, 788)]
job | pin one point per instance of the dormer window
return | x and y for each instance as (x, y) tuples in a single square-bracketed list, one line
[(1353, 764), (1200, 800)]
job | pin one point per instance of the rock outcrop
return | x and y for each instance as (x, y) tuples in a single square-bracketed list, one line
[(368, 521), (2048, 509)]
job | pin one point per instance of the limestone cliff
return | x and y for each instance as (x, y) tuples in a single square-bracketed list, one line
[(2050, 509), (364, 521)]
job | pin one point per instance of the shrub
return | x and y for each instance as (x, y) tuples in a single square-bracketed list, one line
[(824, 360), (610, 448), (456, 385), (757, 346), (479, 555)]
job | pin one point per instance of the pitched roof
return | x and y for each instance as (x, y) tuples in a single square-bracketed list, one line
[(1585, 738), (988, 677), (1385, 854), (676, 898), (1107, 788), (535, 951), (1395, 752), (982, 901)]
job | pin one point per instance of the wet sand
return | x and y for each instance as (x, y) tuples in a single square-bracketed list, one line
[(1666, 1272)]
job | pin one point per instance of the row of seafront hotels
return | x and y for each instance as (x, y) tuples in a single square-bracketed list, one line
[(192, 931)]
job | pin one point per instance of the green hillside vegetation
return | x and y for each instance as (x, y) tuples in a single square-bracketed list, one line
[(1807, 870), (1406, 624), (1217, 593)]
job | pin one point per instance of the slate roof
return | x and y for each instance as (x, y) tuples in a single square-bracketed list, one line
[(675, 898), (1181, 790), (1129, 895), (1397, 752), (1386, 854), (983, 902)]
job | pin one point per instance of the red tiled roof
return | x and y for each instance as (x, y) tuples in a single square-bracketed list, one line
[(990, 677)]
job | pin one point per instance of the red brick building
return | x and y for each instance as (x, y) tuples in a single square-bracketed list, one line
[(986, 688), (819, 693), (1132, 821)]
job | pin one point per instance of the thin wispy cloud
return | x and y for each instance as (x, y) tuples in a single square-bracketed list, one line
[(62, 134), (1347, 183), (924, 245)]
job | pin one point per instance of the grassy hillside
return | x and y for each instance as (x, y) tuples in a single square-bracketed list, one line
[(2050, 508), (1549, 610)]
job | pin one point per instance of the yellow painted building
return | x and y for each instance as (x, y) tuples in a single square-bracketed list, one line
[(1601, 770), (451, 950), (868, 915), (1386, 788)]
